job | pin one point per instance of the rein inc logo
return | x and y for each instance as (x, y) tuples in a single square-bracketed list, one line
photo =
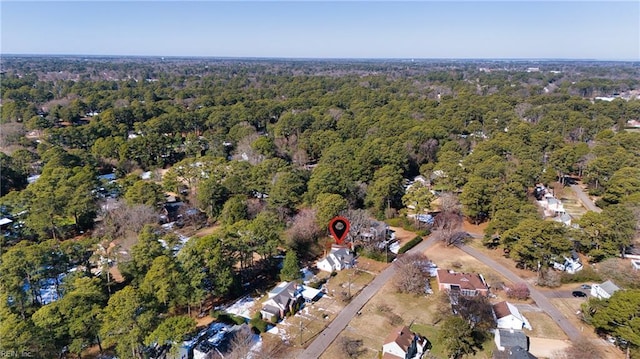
[(16, 354)]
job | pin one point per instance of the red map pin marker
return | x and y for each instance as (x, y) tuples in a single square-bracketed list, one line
[(339, 229)]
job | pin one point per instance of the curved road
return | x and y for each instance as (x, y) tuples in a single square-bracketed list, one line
[(541, 300), (329, 334), (584, 199)]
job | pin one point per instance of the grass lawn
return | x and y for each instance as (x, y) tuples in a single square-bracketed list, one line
[(438, 350), (340, 282), (431, 333), (543, 326)]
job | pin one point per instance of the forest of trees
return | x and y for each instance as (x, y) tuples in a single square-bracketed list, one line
[(270, 151)]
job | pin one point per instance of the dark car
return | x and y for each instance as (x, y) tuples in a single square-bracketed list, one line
[(578, 293)]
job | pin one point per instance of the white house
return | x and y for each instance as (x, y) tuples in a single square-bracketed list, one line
[(569, 265), (553, 205), (564, 218), (403, 343), (509, 317), (338, 259), (604, 290)]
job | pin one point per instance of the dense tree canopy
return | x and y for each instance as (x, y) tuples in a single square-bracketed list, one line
[(270, 151)]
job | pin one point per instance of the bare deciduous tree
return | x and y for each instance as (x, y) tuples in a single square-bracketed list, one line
[(549, 278), (477, 311), (121, 219), (303, 231), (255, 206), (241, 344), (412, 273), (518, 291), (273, 348), (244, 151), (620, 272), (351, 348), (11, 133), (449, 221)]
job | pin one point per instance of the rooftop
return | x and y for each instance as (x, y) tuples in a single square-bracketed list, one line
[(510, 338), (401, 336), (609, 287), (464, 280)]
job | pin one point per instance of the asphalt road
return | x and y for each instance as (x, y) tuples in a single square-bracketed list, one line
[(329, 334), (541, 300), (586, 201), (565, 293)]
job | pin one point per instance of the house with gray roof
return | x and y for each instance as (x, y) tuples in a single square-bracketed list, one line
[(511, 339), (604, 290), (338, 259), (284, 298)]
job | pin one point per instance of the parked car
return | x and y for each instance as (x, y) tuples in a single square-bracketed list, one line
[(585, 286), (578, 293)]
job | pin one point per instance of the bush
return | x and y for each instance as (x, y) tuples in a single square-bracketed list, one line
[(227, 318), (587, 274), (412, 243), (518, 291), (377, 255), (397, 221), (408, 224), (596, 191), (601, 203), (258, 325), (317, 284)]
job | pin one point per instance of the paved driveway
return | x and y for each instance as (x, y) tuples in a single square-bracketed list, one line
[(586, 201)]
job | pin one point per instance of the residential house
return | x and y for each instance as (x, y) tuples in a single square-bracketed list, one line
[(217, 344), (284, 298), (403, 343), (211, 342), (510, 339), (466, 284), (604, 290), (564, 218), (310, 294), (338, 259), (509, 317), (569, 265), (5, 222), (513, 353), (552, 206)]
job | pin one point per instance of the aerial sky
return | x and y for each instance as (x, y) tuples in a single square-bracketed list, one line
[(602, 30)]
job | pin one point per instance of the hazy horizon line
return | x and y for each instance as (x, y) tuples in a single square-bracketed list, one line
[(303, 58)]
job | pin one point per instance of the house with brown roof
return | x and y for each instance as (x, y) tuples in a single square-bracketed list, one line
[(465, 284), (403, 343), (508, 316)]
